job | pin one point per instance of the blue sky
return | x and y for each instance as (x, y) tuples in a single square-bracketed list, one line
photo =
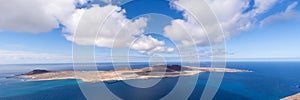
[(277, 39)]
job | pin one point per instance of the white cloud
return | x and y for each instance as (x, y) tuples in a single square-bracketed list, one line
[(289, 13), (186, 31), (230, 13), (291, 7), (117, 31), (149, 45), (107, 1), (37, 16), (111, 35), (34, 16), (263, 5)]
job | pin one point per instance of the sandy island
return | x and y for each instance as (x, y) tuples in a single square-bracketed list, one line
[(156, 71), (293, 97)]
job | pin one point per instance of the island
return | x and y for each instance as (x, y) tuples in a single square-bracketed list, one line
[(155, 71), (293, 97)]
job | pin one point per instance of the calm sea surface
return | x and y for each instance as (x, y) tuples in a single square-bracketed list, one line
[(268, 81)]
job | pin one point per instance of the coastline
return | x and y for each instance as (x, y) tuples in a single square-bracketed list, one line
[(292, 97), (157, 71)]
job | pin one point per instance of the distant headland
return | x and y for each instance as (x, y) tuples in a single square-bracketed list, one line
[(156, 71)]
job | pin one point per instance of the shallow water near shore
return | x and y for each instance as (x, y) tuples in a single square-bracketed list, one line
[(268, 81)]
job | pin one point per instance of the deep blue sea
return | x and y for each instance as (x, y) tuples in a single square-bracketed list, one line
[(268, 81)]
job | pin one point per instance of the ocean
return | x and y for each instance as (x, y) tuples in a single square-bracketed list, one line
[(268, 81)]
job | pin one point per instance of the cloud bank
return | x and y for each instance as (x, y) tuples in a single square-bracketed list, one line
[(116, 31), (36, 16), (232, 15)]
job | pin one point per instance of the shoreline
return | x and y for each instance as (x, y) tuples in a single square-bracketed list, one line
[(292, 97)]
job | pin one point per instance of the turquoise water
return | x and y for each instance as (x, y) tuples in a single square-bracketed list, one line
[(268, 81)]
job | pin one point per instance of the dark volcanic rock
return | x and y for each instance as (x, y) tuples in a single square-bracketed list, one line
[(162, 68), (172, 68), (166, 68), (37, 71)]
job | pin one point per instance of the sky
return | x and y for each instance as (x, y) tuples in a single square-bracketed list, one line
[(32, 31)]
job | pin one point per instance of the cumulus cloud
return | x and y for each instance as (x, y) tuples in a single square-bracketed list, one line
[(116, 31), (148, 45), (230, 13), (287, 14), (35, 16)]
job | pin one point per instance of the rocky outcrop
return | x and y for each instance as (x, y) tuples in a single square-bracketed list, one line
[(37, 71)]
